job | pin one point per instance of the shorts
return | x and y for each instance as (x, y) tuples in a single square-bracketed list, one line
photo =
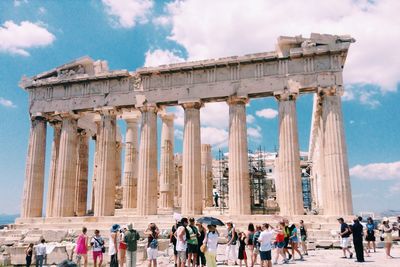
[(122, 245), (97, 254), (344, 243), (265, 255), (152, 253), (191, 248), (280, 244), (182, 255), (286, 242), (303, 238)]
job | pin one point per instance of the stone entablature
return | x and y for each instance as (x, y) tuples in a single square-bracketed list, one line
[(304, 63)]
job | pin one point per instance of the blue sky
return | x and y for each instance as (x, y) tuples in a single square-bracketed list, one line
[(38, 35)]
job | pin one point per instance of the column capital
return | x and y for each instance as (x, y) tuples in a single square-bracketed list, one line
[(234, 100), (167, 117), (148, 108), (330, 91), (286, 95), (192, 103), (66, 115), (82, 132), (56, 124), (38, 116), (107, 111)]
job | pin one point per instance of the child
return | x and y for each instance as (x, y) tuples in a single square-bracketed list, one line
[(242, 249)]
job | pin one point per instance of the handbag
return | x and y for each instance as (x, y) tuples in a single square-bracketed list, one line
[(203, 248)]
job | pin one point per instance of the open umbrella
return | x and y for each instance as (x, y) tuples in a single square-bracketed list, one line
[(210, 220)]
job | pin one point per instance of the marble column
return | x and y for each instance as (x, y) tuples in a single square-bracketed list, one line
[(337, 188), (206, 175), (147, 171), (96, 138), (167, 162), (118, 171), (53, 167), (192, 194), (105, 180), (32, 198), (66, 168), (289, 188), (81, 187), (239, 183), (131, 163)]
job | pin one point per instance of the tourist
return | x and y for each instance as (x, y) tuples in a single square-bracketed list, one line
[(265, 240), (28, 255), (152, 233), (370, 234), (286, 232), (172, 239), (387, 230), (122, 247), (279, 243), (131, 238), (303, 237), (242, 248), (113, 245), (256, 244), (40, 252), (294, 241), (82, 243), (250, 242), (98, 248), (216, 197), (231, 245), (181, 241), (192, 243), (345, 234), (211, 241), (200, 239), (357, 230)]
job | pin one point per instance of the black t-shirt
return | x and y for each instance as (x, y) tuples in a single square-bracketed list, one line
[(357, 230), (343, 228), (303, 231)]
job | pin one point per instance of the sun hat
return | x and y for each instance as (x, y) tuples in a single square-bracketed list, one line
[(115, 228)]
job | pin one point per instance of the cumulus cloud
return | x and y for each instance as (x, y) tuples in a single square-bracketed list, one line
[(161, 57), (7, 103), (128, 13), (250, 119), (267, 113), (17, 38), (377, 171), (374, 24), (254, 132), (178, 134), (161, 21), (217, 138), (215, 115)]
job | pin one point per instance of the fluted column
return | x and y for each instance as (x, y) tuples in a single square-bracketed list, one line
[(239, 184), (66, 168), (32, 198), (105, 180), (191, 161), (81, 187), (147, 172), (289, 188), (337, 188), (131, 163), (167, 161), (96, 138), (53, 167), (206, 175)]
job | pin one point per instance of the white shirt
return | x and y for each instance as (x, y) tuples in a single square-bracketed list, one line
[(181, 245), (265, 240), (97, 243), (212, 241), (41, 249), (111, 246)]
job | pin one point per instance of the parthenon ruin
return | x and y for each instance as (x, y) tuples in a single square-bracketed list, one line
[(84, 99)]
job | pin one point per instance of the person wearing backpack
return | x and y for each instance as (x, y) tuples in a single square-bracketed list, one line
[(152, 243), (131, 238), (192, 243), (97, 243)]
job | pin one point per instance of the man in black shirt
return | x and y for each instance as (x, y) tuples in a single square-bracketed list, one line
[(344, 234), (357, 230)]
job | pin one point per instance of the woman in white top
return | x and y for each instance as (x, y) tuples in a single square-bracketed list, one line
[(211, 240), (112, 246)]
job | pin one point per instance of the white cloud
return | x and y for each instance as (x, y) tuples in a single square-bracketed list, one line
[(250, 118), (161, 57), (215, 115), (178, 134), (127, 13), (16, 39), (18, 3), (366, 95), (217, 138), (267, 113), (162, 21), (231, 27), (254, 132), (377, 171), (7, 103)]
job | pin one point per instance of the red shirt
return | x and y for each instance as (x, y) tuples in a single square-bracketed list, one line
[(280, 237)]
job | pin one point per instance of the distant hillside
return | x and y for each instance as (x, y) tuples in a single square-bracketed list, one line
[(390, 213), (7, 218)]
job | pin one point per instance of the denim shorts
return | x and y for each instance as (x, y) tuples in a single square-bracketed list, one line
[(265, 255)]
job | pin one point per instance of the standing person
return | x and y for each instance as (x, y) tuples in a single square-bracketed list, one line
[(113, 245), (357, 230), (122, 247), (303, 237), (242, 256), (286, 233), (211, 241), (256, 244), (280, 243), (192, 244), (250, 242), (200, 240), (294, 241), (40, 253), (172, 239), (28, 255), (370, 235), (231, 245), (152, 233), (97, 243), (181, 241), (344, 234), (216, 197), (387, 230), (265, 240), (131, 238), (81, 247)]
